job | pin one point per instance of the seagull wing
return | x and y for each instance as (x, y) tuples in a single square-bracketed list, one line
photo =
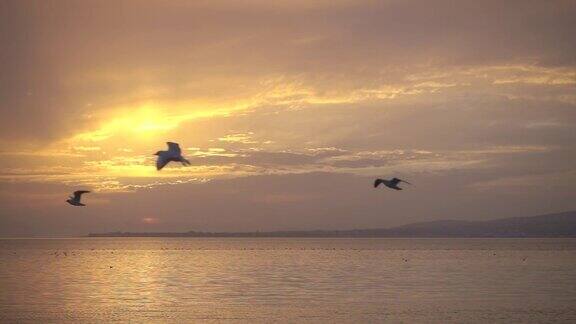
[(174, 148), (377, 182), (184, 161), (78, 194), (161, 162)]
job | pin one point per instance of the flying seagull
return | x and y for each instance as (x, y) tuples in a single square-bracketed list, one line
[(174, 153), (393, 184), (75, 200)]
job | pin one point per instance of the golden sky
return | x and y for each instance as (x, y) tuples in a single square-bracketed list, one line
[(286, 109)]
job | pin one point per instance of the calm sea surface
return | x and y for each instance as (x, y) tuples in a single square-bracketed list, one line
[(287, 280)]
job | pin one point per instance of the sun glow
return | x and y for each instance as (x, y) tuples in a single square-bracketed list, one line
[(150, 120), (143, 121)]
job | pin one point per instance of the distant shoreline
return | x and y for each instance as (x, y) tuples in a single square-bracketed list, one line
[(560, 225), (248, 235)]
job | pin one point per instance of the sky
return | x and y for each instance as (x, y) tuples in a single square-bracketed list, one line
[(287, 110)]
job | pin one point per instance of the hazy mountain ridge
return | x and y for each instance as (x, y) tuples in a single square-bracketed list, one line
[(549, 225)]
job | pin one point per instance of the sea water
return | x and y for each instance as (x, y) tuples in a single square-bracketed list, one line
[(287, 280)]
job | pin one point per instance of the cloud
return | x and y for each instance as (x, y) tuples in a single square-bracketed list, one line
[(238, 138), (157, 49), (522, 183)]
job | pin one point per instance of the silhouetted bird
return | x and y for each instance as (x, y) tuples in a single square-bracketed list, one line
[(393, 184), (75, 200), (174, 154)]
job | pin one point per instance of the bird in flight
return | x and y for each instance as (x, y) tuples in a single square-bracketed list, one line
[(75, 200), (393, 184), (174, 154)]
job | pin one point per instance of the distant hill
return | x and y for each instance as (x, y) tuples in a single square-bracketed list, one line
[(550, 225)]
